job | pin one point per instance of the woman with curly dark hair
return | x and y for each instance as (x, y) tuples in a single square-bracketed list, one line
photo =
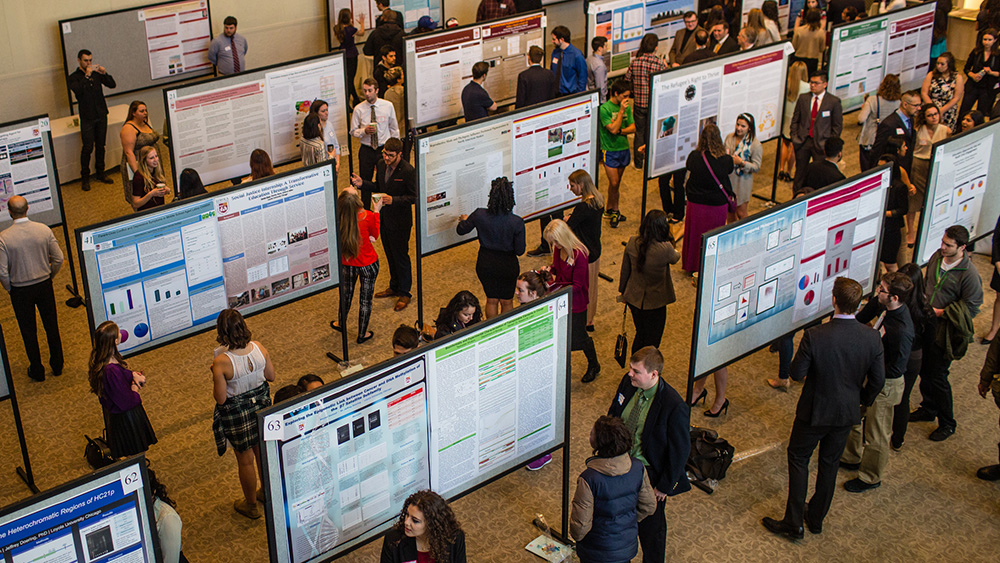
[(462, 311), (117, 387), (501, 241), (427, 531)]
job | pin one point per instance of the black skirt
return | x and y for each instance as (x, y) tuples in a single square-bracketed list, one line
[(129, 433), (498, 273)]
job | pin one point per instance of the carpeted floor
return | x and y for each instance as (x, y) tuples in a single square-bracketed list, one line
[(930, 507)]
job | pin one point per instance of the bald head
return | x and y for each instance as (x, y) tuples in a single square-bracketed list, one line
[(17, 206)]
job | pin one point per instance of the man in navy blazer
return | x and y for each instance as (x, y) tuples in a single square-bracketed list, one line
[(660, 422), (841, 362), (536, 84)]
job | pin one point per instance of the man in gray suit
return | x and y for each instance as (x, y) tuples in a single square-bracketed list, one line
[(841, 362), (817, 117)]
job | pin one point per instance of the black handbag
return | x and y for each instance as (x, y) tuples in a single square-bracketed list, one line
[(97, 452), (621, 344)]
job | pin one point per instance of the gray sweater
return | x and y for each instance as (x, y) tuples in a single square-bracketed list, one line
[(29, 254)]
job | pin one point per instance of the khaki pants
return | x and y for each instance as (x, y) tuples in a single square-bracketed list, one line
[(873, 451)]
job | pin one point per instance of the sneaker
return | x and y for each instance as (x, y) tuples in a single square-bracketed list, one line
[(942, 433), (615, 219), (539, 251), (922, 415), (896, 446), (608, 214), (539, 463), (621, 217)]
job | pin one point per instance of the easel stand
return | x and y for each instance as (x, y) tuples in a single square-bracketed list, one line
[(23, 472)]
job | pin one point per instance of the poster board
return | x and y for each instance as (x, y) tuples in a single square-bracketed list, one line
[(685, 98), (106, 515), (166, 273), (451, 416), (6, 378), (144, 47), (441, 62), (773, 273), (863, 52), (535, 148), (961, 190), (624, 22), (412, 11), (214, 125), (28, 168)]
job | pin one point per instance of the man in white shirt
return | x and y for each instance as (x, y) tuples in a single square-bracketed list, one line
[(373, 122)]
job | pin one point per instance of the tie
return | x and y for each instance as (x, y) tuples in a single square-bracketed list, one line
[(374, 121), (812, 114), (717, 46), (236, 56), (633, 417)]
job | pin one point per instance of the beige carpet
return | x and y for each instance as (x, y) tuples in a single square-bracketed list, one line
[(930, 507)]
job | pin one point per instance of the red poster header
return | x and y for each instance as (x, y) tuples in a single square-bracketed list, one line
[(759, 60)]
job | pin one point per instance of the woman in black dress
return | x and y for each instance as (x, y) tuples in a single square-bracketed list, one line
[(586, 223), (501, 241)]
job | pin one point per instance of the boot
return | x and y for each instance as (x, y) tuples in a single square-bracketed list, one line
[(85, 182), (593, 366)]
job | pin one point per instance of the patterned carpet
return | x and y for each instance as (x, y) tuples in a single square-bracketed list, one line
[(930, 507)]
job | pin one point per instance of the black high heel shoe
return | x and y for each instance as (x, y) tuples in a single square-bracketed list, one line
[(701, 398), (724, 409)]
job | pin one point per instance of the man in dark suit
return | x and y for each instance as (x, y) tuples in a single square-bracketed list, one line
[(722, 42), (536, 84), (841, 362), (818, 116), (701, 48), (684, 43), (823, 173), (662, 442), (898, 124), (397, 180)]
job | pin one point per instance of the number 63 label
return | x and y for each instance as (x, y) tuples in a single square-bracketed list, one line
[(273, 428)]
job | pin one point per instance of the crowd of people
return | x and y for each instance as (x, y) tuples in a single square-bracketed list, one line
[(922, 318)]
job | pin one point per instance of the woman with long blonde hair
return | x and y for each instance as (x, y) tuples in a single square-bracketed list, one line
[(797, 84), (586, 222), (149, 185), (570, 269), (357, 228)]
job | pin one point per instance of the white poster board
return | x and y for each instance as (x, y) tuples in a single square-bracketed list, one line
[(863, 52), (961, 190), (536, 149), (624, 22), (772, 273), (412, 11), (215, 125), (28, 169), (441, 64), (177, 38), (684, 99)]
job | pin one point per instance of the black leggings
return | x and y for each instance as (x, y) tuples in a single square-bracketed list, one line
[(649, 325), (582, 339), (352, 71)]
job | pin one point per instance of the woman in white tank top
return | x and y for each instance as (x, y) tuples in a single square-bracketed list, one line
[(240, 373)]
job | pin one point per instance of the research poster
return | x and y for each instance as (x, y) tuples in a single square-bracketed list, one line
[(412, 11), (441, 64), (215, 126), (536, 149), (624, 22), (766, 276), (27, 170), (168, 274), (177, 38), (342, 460), (686, 98), (960, 188), (863, 52), (102, 517)]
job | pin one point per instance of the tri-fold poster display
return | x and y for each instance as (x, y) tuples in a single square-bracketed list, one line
[(863, 52), (166, 273), (960, 188), (452, 416), (773, 273)]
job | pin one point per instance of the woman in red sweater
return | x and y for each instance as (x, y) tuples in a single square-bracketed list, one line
[(569, 268), (358, 228)]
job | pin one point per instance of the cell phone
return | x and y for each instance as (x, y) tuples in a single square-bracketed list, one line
[(329, 148)]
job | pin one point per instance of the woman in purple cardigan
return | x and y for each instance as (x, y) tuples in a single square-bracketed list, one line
[(569, 268), (117, 387)]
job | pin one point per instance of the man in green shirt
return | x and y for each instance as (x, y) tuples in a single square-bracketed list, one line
[(616, 124), (659, 421)]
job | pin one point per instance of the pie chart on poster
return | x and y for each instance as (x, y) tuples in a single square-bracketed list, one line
[(141, 329), (123, 335), (808, 299), (804, 282)]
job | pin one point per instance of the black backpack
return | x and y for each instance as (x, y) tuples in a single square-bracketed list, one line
[(710, 455)]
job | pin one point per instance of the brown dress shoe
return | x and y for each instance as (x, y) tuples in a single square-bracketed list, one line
[(402, 302), (385, 293)]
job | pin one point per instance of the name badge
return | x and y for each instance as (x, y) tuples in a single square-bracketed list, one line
[(503, 6), (228, 49), (826, 113), (621, 399), (900, 131), (555, 61)]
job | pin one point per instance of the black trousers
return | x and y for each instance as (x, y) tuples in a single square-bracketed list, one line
[(396, 243), (352, 72), (93, 133), (804, 154), (934, 385), (649, 325), (641, 117), (582, 340), (24, 301), (367, 159), (901, 412), (803, 441), (981, 97), (544, 222), (673, 199), (653, 533)]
